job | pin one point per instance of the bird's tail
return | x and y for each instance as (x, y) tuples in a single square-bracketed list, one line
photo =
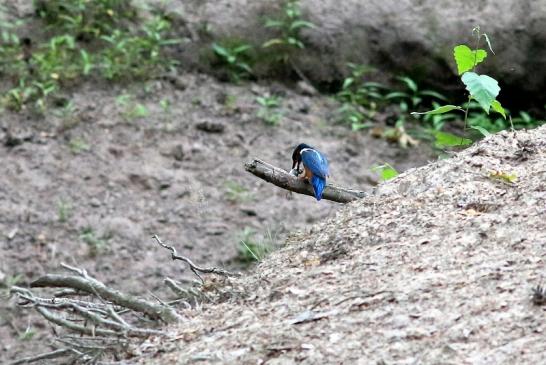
[(318, 185)]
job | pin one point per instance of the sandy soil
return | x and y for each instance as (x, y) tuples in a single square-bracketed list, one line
[(436, 267), (90, 187)]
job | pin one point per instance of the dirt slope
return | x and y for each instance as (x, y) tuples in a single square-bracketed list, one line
[(436, 267), (90, 186)]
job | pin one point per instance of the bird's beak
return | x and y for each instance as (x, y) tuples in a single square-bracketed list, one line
[(293, 164)]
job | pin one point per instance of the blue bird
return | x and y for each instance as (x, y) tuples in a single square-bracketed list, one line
[(315, 167)]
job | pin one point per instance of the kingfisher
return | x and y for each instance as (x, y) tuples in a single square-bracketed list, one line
[(315, 167)]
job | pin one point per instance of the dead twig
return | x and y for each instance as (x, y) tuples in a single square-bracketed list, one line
[(47, 356), (194, 268), (285, 180), (88, 284)]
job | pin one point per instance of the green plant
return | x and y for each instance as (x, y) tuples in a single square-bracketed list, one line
[(235, 57), (139, 55), (481, 88), (63, 209), (269, 109), (252, 248), (28, 334), (357, 90), (289, 25), (131, 108), (385, 171), (412, 95), (8, 282), (95, 243), (84, 19), (237, 193), (354, 115), (78, 145), (84, 39)]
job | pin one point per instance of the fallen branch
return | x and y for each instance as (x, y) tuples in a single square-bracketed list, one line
[(88, 284), (47, 356), (196, 269), (285, 180)]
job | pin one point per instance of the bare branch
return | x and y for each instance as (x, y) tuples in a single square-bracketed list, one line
[(196, 269), (285, 180), (47, 356), (91, 285)]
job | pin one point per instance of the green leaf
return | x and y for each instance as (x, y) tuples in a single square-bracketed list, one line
[(386, 172), (272, 42), (301, 24), (396, 95), (488, 42), (444, 139), (348, 82), (481, 129), (271, 23), (242, 48), (440, 110), (434, 94), (498, 108), (482, 88), (466, 58), (409, 83)]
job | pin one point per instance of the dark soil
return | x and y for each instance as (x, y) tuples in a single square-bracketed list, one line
[(90, 187)]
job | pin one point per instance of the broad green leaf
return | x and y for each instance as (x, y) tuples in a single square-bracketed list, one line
[(444, 139), (481, 129), (483, 88), (386, 172), (440, 110), (466, 58), (496, 105)]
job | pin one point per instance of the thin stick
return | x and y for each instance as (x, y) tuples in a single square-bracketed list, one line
[(285, 180), (196, 269), (47, 356)]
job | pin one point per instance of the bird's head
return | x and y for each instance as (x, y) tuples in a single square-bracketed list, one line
[(296, 155)]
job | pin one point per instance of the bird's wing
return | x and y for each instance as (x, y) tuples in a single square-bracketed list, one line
[(315, 161)]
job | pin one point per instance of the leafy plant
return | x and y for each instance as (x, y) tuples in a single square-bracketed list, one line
[(84, 39), (481, 88), (8, 282), (237, 193), (95, 243), (78, 145), (84, 19), (63, 209), (357, 90), (131, 108), (235, 57), (354, 115), (385, 171), (412, 95), (268, 111), (252, 248), (289, 25)]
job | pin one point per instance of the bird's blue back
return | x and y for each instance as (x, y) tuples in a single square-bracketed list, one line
[(316, 162)]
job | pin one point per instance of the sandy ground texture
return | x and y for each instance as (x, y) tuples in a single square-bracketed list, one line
[(436, 267), (91, 185)]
